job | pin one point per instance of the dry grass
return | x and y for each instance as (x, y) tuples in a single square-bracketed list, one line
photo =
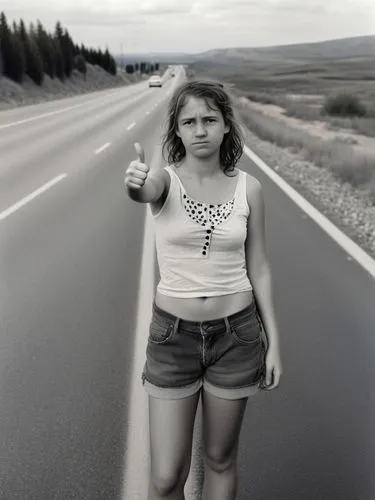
[(313, 109), (357, 170), (301, 90)]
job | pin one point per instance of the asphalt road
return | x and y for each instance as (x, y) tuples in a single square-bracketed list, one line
[(71, 258)]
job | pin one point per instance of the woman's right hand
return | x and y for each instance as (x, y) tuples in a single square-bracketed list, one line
[(137, 172)]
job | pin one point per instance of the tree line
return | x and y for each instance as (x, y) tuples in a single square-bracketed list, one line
[(143, 67), (35, 52)]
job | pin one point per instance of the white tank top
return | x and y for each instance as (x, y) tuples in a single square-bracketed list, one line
[(201, 247)]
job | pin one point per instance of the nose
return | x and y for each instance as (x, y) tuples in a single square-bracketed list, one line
[(200, 130)]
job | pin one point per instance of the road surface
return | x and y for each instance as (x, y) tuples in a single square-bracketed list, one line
[(77, 277)]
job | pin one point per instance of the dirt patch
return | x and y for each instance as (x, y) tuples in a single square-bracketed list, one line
[(316, 99)]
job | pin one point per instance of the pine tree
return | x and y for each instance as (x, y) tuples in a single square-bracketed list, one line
[(68, 51), (36, 53), (47, 50), (34, 63), (106, 60), (6, 46), (18, 58)]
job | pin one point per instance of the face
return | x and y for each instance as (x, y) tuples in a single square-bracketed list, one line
[(198, 123)]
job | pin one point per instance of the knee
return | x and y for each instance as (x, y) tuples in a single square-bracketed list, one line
[(220, 460), (168, 481)]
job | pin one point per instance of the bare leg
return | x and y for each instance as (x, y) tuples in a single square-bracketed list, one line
[(222, 420), (171, 434)]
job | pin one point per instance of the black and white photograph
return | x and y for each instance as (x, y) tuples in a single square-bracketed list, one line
[(187, 250)]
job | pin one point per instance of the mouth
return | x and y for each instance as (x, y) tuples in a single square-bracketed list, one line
[(200, 143)]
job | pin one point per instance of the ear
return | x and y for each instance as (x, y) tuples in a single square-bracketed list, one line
[(177, 133), (226, 129)]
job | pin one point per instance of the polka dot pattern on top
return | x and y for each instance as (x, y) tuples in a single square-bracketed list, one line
[(207, 215)]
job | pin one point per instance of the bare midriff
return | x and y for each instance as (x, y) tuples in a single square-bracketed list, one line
[(204, 308)]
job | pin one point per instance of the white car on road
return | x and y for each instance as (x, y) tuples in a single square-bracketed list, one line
[(155, 81)]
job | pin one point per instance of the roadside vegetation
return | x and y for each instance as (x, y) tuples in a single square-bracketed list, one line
[(36, 65), (325, 113)]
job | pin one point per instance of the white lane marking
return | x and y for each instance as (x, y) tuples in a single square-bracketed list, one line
[(135, 485), (31, 196), (56, 112), (102, 148), (355, 251), (131, 126)]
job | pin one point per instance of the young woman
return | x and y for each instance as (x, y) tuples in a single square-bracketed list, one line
[(205, 336)]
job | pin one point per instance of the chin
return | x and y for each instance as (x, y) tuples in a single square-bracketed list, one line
[(203, 155), (202, 152)]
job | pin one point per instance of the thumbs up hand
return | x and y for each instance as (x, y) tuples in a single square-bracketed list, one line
[(137, 172)]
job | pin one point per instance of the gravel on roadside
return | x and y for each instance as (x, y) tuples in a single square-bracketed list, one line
[(350, 209)]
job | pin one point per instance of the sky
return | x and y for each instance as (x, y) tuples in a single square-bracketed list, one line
[(137, 26)]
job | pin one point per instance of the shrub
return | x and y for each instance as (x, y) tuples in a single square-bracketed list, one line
[(344, 104)]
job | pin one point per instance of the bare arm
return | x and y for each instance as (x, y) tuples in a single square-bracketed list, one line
[(257, 261), (260, 277)]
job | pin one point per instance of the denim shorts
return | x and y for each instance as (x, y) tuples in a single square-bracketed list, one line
[(225, 356)]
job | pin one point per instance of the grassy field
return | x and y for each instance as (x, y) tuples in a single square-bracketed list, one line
[(301, 90), (356, 169)]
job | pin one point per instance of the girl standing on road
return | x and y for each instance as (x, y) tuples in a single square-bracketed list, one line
[(205, 336)]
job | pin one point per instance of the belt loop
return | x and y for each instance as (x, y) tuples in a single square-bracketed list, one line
[(227, 325), (175, 326)]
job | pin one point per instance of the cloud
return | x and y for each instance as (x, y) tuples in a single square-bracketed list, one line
[(219, 14), (91, 7), (197, 9), (165, 7), (197, 25), (209, 8)]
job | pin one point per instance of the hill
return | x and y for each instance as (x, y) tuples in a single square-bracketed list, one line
[(328, 50), (353, 47)]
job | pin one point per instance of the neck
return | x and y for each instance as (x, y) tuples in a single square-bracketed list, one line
[(202, 168)]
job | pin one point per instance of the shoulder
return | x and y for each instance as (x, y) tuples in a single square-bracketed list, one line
[(161, 175), (254, 191), (252, 183)]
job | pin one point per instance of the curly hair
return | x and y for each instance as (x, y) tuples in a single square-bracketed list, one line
[(231, 148)]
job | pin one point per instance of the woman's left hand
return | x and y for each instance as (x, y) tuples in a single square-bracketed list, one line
[(273, 369)]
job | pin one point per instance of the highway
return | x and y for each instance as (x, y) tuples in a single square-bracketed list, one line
[(77, 277)]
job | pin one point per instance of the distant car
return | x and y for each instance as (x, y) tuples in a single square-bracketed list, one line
[(155, 81)]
